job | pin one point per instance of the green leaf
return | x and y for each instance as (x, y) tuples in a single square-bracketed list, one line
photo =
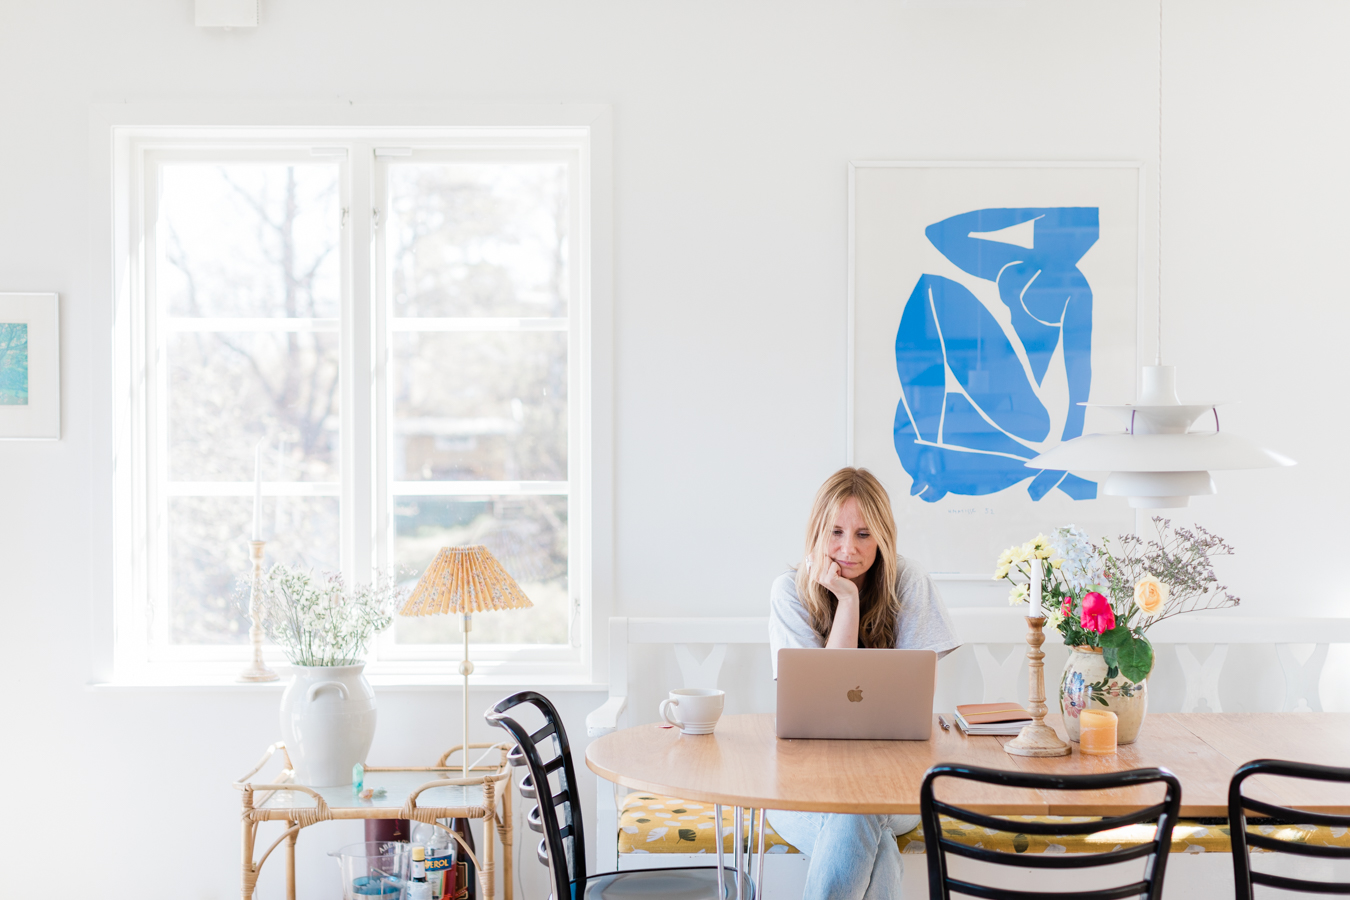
[(1112, 660), (1117, 637), (1136, 659)]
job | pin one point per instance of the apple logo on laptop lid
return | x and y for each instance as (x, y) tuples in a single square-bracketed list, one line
[(855, 695)]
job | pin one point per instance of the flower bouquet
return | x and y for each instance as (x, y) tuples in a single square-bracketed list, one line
[(318, 620), (1103, 599)]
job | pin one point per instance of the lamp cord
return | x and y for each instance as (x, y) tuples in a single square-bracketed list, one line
[(1158, 203)]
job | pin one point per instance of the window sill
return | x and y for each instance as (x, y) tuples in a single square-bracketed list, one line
[(382, 683)]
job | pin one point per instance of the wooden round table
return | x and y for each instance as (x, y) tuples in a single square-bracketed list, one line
[(743, 764)]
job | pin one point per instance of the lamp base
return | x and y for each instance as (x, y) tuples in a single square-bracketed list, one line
[(1037, 740)]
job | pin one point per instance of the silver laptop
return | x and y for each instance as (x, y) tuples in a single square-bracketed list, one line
[(875, 695)]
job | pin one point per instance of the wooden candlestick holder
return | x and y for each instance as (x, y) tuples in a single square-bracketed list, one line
[(257, 670), (1038, 738)]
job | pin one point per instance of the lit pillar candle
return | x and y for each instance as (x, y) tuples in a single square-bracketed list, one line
[(1097, 732), (257, 491), (1036, 611)]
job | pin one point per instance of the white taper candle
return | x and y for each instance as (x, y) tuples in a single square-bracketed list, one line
[(257, 490), (1036, 611)]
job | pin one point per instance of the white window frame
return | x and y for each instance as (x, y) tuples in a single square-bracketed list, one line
[(365, 495)]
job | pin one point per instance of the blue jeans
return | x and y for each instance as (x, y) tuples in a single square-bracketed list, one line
[(852, 857)]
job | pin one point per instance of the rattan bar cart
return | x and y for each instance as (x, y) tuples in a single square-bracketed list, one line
[(419, 794)]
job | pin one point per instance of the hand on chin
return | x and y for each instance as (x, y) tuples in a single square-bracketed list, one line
[(836, 582)]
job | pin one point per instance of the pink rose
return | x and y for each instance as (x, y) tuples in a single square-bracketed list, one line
[(1097, 615)]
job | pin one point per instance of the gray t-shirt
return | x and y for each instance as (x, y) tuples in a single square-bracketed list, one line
[(921, 624)]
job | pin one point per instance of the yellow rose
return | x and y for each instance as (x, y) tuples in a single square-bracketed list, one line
[(1019, 594), (1150, 595)]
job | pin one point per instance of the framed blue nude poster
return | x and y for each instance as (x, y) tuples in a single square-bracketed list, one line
[(988, 302)]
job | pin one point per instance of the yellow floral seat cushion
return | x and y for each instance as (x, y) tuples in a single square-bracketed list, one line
[(1320, 835), (1188, 836), (653, 823)]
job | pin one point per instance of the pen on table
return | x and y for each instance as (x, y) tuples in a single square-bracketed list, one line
[(943, 723)]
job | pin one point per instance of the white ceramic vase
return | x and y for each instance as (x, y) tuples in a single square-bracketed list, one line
[(327, 722)]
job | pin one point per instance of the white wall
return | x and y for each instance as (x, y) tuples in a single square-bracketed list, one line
[(733, 127)]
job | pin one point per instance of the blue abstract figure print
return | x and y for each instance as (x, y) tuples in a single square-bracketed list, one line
[(970, 410)]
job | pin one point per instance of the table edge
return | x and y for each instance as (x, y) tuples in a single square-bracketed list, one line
[(1048, 807)]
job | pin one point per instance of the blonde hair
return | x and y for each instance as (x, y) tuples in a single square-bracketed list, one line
[(878, 600)]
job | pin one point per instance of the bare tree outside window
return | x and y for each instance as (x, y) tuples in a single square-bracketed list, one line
[(241, 242), (245, 298), (472, 242)]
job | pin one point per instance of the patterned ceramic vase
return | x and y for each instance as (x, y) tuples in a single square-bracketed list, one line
[(1087, 683)]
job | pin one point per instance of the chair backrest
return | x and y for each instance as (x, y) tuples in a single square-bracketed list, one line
[(1244, 879), (941, 884), (556, 815)]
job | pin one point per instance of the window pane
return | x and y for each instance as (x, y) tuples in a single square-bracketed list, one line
[(228, 390), (478, 239), (248, 239), (527, 535), (208, 553), (480, 406)]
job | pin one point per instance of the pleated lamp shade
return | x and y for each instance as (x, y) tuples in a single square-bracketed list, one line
[(463, 581)]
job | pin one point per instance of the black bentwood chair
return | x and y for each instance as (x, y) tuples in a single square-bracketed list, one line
[(558, 817), (941, 885), (1243, 877)]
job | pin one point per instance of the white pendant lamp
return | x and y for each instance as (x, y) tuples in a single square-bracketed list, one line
[(1157, 461)]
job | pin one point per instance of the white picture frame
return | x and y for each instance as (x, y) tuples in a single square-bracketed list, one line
[(933, 239), (30, 389)]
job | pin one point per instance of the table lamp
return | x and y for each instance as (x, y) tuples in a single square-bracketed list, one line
[(463, 581)]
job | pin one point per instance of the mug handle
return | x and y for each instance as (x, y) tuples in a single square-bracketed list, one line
[(666, 706)]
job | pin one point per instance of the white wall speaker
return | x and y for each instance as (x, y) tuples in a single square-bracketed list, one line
[(227, 13)]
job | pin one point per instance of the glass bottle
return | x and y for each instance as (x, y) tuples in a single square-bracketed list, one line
[(466, 880)]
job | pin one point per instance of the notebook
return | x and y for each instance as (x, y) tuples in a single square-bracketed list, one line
[(991, 718)]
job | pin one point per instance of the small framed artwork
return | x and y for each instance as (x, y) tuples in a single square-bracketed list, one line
[(989, 302), (30, 367)]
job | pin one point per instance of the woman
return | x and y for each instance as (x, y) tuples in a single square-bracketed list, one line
[(853, 590)]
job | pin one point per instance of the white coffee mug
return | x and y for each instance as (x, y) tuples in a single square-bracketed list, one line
[(698, 709)]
